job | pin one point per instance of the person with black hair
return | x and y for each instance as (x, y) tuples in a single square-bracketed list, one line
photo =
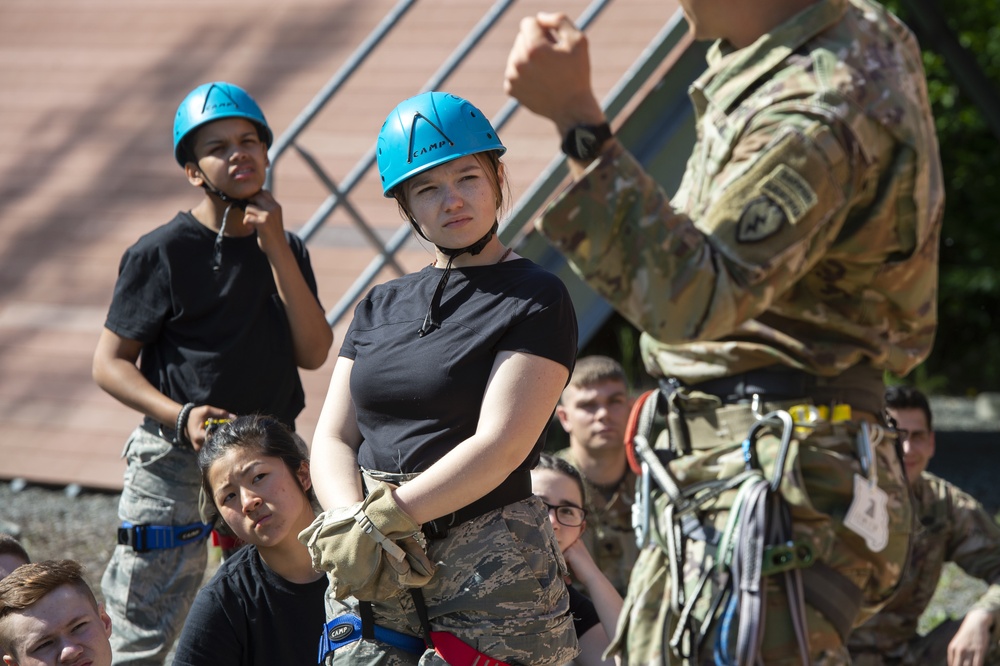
[(265, 604), (951, 526), (213, 313)]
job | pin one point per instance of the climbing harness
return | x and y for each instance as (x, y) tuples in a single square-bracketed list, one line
[(143, 538), (348, 628), (720, 612)]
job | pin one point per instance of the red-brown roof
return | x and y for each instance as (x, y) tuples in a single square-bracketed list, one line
[(88, 92)]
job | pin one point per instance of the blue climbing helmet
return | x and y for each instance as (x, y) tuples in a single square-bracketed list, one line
[(214, 101), (428, 130)]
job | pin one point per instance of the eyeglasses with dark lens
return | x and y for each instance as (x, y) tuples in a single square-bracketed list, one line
[(567, 514)]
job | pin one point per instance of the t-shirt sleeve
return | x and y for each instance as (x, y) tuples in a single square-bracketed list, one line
[(361, 316), (208, 637), (548, 326), (305, 263), (141, 300)]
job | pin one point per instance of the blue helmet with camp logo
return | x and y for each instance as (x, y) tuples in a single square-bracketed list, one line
[(215, 101), (428, 130)]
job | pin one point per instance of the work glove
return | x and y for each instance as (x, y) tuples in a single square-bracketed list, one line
[(369, 549)]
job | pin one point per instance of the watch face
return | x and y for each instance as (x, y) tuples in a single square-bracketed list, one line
[(583, 142)]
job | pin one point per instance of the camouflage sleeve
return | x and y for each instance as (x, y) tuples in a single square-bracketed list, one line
[(769, 215), (975, 546)]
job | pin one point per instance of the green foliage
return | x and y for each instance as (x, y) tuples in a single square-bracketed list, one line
[(966, 357), (618, 339)]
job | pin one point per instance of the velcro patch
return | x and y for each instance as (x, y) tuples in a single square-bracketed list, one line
[(761, 218), (783, 189)]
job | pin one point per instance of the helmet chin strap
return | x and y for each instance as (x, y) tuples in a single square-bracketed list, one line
[(230, 203), (432, 320)]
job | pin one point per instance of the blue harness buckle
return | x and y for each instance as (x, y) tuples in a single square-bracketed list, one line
[(346, 629), (144, 538)]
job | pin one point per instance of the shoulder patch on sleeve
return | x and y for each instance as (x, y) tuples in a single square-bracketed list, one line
[(784, 196), (760, 219), (790, 191)]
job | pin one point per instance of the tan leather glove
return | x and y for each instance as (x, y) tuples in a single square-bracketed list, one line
[(369, 550)]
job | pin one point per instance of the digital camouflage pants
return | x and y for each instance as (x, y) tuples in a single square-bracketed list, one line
[(499, 587), (148, 595)]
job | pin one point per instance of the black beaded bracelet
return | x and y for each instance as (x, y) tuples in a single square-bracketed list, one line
[(180, 432)]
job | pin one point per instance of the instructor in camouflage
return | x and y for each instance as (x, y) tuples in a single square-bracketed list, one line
[(796, 263), (951, 526)]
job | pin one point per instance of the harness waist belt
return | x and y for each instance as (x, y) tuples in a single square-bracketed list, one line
[(346, 629), (515, 488), (144, 538), (861, 386), (778, 382)]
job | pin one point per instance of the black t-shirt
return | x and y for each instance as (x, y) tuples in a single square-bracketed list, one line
[(218, 337), (416, 398), (248, 615), (583, 611)]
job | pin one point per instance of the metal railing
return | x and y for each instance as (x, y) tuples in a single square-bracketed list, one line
[(339, 194)]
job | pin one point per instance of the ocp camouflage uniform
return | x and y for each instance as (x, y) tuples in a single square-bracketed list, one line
[(609, 536), (951, 527), (804, 235)]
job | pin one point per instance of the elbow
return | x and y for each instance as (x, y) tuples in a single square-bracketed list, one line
[(312, 353), (310, 362), (315, 356), (99, 373)]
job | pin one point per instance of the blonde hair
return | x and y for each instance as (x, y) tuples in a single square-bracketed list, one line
[(496, 172)]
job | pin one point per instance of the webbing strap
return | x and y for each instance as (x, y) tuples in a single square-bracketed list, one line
[(421, 607), (833, 595), (367, 614), (144, 538), (452, 649), (755, 543), (348, 628)]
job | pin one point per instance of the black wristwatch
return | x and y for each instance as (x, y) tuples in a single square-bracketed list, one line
[(584, 142)]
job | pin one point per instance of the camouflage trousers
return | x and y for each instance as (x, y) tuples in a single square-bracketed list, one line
[(499, 588), (149, 594), (931, 648), (818, 485)]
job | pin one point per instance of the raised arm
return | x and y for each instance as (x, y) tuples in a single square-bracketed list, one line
[(311, 334)]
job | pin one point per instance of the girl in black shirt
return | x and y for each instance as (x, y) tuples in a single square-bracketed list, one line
[(445, 384), (265, 603)]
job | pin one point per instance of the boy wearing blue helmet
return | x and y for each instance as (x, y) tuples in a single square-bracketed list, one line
[(212, 315), (445, 384)]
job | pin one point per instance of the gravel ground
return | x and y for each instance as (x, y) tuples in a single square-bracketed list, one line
[(54, 524)]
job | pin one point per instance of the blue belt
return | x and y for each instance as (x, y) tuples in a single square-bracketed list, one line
[(346, 629), (143, 538)]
